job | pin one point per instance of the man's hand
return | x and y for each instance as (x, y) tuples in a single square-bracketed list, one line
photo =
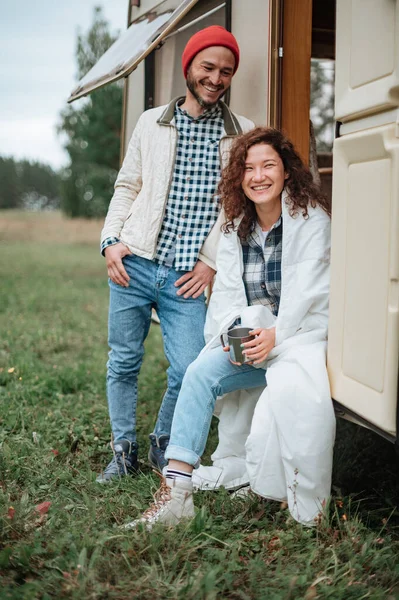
[(116, 270), (195, 281), (257, 350)]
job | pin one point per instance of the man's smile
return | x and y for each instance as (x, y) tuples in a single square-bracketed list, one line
[(213, 89)]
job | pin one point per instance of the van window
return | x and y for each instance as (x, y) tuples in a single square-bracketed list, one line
[(133, 45)]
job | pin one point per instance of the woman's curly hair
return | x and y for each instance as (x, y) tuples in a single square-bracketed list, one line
[(299, 186)]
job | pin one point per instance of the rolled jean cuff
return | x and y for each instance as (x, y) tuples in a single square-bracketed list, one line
[(182, 454)]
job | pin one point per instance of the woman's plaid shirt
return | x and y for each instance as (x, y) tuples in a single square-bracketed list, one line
[(262, 266)]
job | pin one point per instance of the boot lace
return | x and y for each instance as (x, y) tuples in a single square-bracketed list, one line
[(121, 461), (161, 497)]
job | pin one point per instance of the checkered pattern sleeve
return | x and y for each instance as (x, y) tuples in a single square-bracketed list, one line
[(110, 241)]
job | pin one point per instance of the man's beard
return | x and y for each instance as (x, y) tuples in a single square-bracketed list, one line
[(191, 84)]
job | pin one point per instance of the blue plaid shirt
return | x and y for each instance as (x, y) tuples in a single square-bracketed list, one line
[(191, 209), (262, 266)]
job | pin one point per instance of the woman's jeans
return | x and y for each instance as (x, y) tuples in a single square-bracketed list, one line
[(208, 377), (182, 324)]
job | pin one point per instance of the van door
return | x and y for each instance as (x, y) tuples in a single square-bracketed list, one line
[(363, 345)]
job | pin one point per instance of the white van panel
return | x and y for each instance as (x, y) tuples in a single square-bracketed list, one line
[(250, 87), (135, 102), (376, 120), (367, 57), (363, 347), (142, 36)]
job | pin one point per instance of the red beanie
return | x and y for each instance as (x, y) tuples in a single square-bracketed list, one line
[(215, 35)]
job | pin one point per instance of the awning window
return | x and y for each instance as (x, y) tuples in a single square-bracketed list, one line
[(133, 46)]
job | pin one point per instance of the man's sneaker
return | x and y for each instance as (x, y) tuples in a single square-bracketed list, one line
[(124, 462), (172, 502), (156, 454)]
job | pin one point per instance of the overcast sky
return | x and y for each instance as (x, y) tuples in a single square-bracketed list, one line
[(38, 70)]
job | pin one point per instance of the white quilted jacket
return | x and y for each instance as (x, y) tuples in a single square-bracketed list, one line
[(137, 207)]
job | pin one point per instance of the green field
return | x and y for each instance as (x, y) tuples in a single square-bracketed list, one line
[(54, 432)]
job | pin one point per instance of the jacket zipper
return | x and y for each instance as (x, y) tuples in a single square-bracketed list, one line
[(168, 190)]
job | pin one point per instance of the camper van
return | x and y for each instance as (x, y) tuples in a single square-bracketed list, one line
[(279, 40)]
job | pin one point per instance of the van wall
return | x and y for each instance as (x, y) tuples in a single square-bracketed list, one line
[(363, 344), (134, 90), (249, 90)]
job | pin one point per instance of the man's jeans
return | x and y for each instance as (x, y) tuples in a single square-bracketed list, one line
[(208, 377), (182, 324)]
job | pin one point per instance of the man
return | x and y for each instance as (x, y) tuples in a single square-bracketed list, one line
[(160, 237)]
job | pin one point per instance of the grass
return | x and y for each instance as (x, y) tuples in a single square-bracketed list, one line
[(54, 432)]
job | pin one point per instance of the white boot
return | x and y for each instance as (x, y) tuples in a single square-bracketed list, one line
[(172, 502)]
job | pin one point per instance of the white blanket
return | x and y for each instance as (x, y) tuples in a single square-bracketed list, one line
[(280, 438)]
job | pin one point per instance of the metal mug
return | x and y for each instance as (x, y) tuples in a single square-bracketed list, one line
[(236, 336)]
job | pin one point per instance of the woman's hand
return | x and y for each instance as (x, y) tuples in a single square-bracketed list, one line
[(227, 349), (258, 349)]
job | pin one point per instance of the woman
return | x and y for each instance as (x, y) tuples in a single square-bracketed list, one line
[(276, 421)]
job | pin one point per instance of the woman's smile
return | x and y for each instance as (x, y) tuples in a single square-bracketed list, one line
[(264, 176), (261, 188)]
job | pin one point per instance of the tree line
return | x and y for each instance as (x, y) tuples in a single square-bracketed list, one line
[(91, 130), (28, 185)]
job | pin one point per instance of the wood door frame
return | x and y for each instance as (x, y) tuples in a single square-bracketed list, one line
[(275, 63), (295, 92)]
